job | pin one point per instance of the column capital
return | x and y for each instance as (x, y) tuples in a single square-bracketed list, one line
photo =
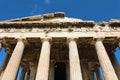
[(71, 39), (24, 40), (21, 39), (99, 39), (46, 39)]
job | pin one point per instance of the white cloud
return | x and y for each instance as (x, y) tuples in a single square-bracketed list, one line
[(47, 1), (35, 8)]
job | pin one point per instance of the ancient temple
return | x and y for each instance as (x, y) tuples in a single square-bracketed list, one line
[(55, 47)]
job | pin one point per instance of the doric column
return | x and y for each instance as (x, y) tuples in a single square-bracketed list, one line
[(22, 75), (75, 68), (13, 65), (98, 74), (108, 71), (43, 65), (115, 64)]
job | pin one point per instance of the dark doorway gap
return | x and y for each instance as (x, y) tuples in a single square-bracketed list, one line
[(60, 71)]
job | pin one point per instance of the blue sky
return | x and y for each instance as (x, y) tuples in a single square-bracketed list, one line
[(97, 10)]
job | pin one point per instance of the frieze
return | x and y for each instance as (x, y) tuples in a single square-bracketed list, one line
[(47, 30)]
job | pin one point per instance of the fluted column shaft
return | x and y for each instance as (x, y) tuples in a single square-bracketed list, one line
[(115, 64), (108, 71), (13, 65), (75, 68), (43, 65)]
